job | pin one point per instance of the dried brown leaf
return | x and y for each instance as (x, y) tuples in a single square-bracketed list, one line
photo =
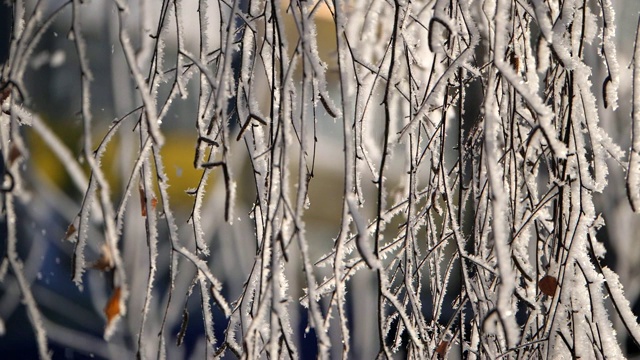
[(70, 231), (113, 307), (14, 153), (105, 262), (143, 202), (548, 285), (441, 350)]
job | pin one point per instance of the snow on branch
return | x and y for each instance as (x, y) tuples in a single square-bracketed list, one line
[(374, 179)]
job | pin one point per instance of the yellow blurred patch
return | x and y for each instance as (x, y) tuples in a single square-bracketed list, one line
[(177, 154)]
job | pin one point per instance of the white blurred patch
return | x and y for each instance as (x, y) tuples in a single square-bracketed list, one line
[(58, 58), (54, 60)]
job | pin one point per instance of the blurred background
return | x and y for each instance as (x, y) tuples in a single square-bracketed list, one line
[(74, 319)]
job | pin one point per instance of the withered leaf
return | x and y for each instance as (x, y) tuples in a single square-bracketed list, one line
[(113, 307), (441, 350), (4, 94), (14, 153), (105, 262), (143, 202), (70, 231), (548, 285), (183, 327)]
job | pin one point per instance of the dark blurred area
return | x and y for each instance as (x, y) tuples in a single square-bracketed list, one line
[(5, 31)]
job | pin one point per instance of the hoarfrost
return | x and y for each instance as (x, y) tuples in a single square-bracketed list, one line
[(453, 151)]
